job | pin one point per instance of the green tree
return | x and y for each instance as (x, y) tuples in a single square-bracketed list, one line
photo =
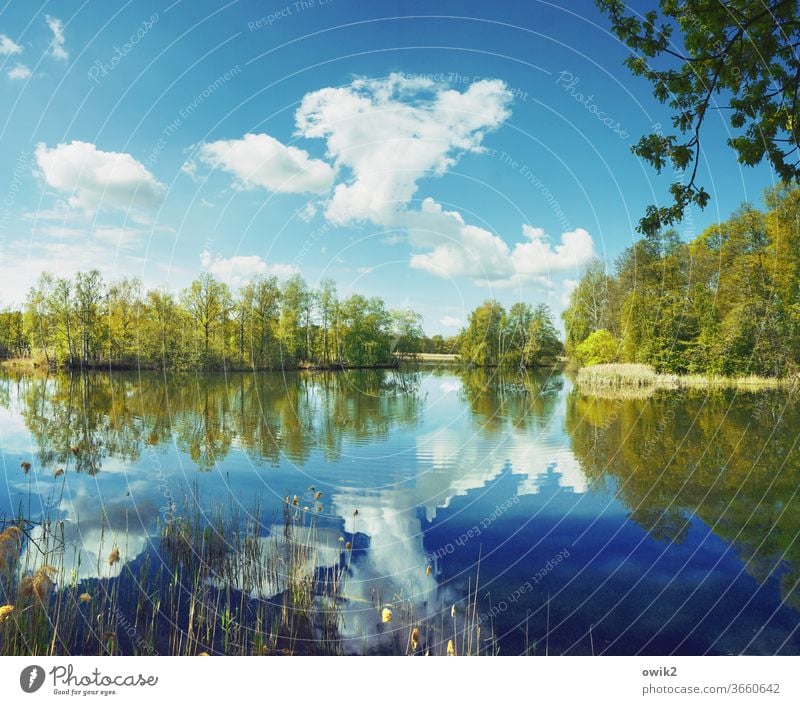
[(599, 348), (482, 342), (590, 305), (125, 308), (90, 300), (732, 54), (293, 314), (407, 331), (208, 303), (542, 344)]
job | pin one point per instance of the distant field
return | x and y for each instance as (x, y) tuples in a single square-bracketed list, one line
[(427, 357)]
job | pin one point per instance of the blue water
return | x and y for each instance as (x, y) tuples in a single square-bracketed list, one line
[(508, 481)]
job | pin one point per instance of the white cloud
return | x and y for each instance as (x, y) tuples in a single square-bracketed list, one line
[(19, 72), (383, 136), (456, 248), (94, 178), (389, 133), (450, 322), (57, 50), (8, 46), (262, 161), (240, 269)]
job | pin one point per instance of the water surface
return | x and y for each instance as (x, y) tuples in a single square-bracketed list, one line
[(660, 525)]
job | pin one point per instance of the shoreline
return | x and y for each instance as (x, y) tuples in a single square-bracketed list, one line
[(642, 380), (28, 364)]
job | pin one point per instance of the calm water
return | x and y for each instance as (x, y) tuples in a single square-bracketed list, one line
[(658, 526)]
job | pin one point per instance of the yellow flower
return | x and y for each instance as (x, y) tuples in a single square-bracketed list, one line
[(428, 570), (113, 557), (414, 639), (5, 610), (85, 597), (386, 615), (451, 648)]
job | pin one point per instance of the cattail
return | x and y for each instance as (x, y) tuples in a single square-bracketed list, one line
[(428, 571), (451, 648), (296, 501), (85, 597), (26, 466), (42, 584), (26, 587), (5, 610), (386, 615), (74, 450), (202, 653), (10, 545), (348, 546), (305, 508), (59, 472), (113, 557), (453, 611), (355, 512), (319, 508), (414, 639), (317, 496)]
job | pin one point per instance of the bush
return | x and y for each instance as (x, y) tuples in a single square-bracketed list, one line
[(599, 348)]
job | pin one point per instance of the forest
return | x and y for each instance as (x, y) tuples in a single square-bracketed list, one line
[(724, 303), (85, 323)]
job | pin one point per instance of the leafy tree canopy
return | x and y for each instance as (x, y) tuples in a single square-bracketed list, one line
[(703, 55)]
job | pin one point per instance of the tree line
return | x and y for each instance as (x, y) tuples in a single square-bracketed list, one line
[(523, 336), (727, 302), (83, 322)]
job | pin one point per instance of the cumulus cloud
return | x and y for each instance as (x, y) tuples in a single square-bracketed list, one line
[(384, 136), (94, 178), (57, 50), (262, 161), (8, 46), (389, 133), (19, 72), (456, 248), (240, 269)]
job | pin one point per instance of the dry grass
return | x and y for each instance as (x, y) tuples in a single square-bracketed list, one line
[(641, 380)]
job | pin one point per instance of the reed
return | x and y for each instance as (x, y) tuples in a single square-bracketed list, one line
[(641, 380), (217, 583)]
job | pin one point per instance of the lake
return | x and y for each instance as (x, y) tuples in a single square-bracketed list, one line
[(666, 524)]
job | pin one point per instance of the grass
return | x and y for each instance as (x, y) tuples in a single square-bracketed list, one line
[(640, 380), (214, 585)]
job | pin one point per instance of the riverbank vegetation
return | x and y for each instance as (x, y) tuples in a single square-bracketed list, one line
[(523, 336), (218, 583), (84, 323), (723, 304), (619, 379)]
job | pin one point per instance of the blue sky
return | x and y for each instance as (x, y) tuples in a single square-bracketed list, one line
[(434, 154)]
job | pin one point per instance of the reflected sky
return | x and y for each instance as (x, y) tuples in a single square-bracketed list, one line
[(514, 476)]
